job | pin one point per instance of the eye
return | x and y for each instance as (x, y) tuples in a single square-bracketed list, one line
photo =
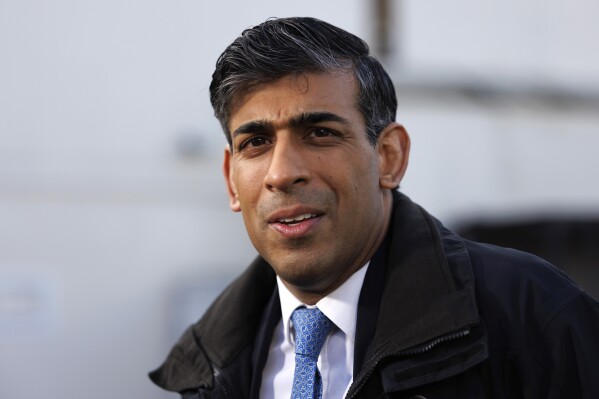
[(322, 132), (255, 141)]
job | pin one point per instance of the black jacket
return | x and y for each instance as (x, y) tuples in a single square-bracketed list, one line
[(454, 319)]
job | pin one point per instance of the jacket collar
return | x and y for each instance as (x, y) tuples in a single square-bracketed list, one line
[(419, 278), (428, 293), (228, 326)]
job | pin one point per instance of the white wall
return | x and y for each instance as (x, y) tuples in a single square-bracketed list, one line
[(527, 153), (102, 220), (504, 162), (530, 41)]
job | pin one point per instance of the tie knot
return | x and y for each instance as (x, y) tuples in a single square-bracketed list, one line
[(311, 329)]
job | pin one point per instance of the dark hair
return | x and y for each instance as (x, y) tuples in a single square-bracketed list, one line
[(280, 47)]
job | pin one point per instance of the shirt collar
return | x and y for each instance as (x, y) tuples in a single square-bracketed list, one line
[(340, 306)]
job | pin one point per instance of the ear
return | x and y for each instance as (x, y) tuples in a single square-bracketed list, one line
[(228, 172), (393, 146)]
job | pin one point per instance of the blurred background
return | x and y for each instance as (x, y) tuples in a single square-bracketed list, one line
[(115, 231)]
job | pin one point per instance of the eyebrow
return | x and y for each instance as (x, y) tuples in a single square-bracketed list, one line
[(309, 118), (252, 127), (303, 119)]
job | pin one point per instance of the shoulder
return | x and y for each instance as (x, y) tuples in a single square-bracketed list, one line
[(529, 288), (541, 326), (530, 306)]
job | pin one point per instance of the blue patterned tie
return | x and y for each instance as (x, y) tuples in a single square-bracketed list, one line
[(311, 329)]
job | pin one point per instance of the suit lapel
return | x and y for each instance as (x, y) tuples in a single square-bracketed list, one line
[(369, 303), (270, 318)]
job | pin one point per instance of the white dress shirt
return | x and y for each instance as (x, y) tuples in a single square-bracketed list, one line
[(336, 360)]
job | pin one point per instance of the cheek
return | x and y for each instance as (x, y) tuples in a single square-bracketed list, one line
[(366, 183), (248, 181)]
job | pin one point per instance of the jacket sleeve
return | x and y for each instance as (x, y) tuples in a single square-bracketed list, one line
[(573, 336)]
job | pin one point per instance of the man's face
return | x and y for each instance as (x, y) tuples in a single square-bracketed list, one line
[(306, 179)]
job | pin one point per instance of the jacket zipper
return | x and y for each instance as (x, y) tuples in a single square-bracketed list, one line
[(434, 343), (409, 352)]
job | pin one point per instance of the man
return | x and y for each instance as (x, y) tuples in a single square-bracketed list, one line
[(358, 292)]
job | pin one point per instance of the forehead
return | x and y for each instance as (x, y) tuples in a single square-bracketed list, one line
[(282, 99)]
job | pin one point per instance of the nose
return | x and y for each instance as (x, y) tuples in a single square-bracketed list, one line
[(288, 167)]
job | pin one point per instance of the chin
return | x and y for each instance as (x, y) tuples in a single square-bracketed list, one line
[(301, 275)]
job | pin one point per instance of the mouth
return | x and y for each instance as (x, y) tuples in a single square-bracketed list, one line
[(293, 221), (295, 224)]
